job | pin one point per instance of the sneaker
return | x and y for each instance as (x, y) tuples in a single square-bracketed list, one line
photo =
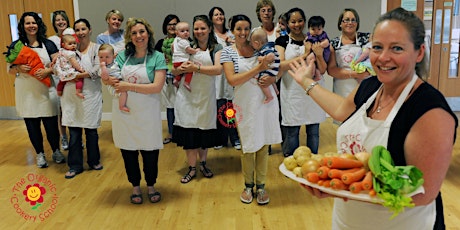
[(64, 143), (246, 196), (218, 147), (58, 157), (262, 197), (41, 160), (237, 146)]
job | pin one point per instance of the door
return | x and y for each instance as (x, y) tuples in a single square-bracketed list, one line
[(442, 24), (10, 11)]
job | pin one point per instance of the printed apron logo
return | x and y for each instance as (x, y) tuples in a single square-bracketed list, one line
[(34, 197), (227, 115)]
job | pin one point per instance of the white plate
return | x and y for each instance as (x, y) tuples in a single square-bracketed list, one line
[(363, 196)]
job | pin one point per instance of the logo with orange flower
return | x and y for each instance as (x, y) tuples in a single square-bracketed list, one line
[(34, 197), (228, 113)]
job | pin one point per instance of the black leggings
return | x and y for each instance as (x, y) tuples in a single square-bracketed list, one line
[(35, 133), (150, 160)]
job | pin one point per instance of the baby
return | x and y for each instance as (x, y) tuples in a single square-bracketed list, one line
[(317, 34), (282, 28), (265, 49), (108, 68), (68, 65), (181, 52)]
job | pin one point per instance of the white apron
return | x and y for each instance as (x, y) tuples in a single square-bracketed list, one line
[(33, 98), (168, 92), (258, 123), (141, 128), (296, 107), (117, 46), (344, 56), (198, 108), (360, 133), (84, 113)]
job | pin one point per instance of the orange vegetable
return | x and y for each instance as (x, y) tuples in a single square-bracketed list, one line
[(338, 184), (337, 173), (372, 192), (324, 161), (322, 172), (367, 181), (349, 178), (312, 177), (356, 187), (343, 163), (327, 183)]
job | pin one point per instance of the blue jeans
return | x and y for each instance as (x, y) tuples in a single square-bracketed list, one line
[(291, 141), (75, 157), (170, 117)]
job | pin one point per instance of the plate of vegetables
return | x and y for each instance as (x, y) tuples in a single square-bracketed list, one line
[(373, 179)]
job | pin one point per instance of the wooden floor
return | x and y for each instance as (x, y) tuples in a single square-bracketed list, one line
[(100, 199)]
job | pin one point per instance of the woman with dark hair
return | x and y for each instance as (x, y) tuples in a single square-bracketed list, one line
[(143, 70), (258, 123), (78, 114), (343, 49), (168, 93), (195, 111), (226, 129), (35, 101)]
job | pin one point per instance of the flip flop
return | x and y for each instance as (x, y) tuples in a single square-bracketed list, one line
[(72, 173)]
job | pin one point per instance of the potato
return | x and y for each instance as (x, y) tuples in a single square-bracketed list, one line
[(330, 154), (297, 171), (364, 158), (302, 151), (317, 157), (290, 163), (310, 166), (301, 160)]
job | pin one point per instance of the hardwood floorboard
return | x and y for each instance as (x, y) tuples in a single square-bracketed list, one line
[(100, 199)]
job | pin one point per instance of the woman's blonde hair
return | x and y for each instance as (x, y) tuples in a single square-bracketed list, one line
[(262, 3), (130, 49), (114, 12)]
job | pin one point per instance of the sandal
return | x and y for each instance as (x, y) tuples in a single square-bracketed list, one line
[(134, 197), (206, 171), (167, 140), (97, 167), (188, 177), (156, 195), (71, 174)]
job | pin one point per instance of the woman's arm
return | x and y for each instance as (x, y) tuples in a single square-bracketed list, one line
[(151, 88), (336, 106), (429, 146), (211, 70), (235, 79)]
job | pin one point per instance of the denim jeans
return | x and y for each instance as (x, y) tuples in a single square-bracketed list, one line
[(291, 141), (75, 157), (170, 117)]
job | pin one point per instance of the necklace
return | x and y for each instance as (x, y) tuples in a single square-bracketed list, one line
[(379, 106)]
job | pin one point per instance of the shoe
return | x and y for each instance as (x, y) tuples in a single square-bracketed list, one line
[(188, 177), (133, 199), (246, 196), (218, 147), (97, 167), (205, 171), (262, 196), (64, 143), (156, 195), (269, 150), (41, 160), (237, 146), (167, 140), (71, 174), (58, 157)]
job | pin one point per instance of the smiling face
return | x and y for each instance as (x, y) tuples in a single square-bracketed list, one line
[(218, 18), (139, 36), (34, 193), (30, 26), (349, 23), (296, 23), (171, 27), (201, 31), (60, 23), (393, 55), (241, 31), (106, 56), (114, 22)]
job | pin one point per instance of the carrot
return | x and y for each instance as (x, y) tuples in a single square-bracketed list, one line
[(372, 192), (338, 184), (322, 172), (356, 187), (343, 163), (324, 161), (367, 181), (337, 173), (320, 182), (312, 177), (327, 183), (349, 178)]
